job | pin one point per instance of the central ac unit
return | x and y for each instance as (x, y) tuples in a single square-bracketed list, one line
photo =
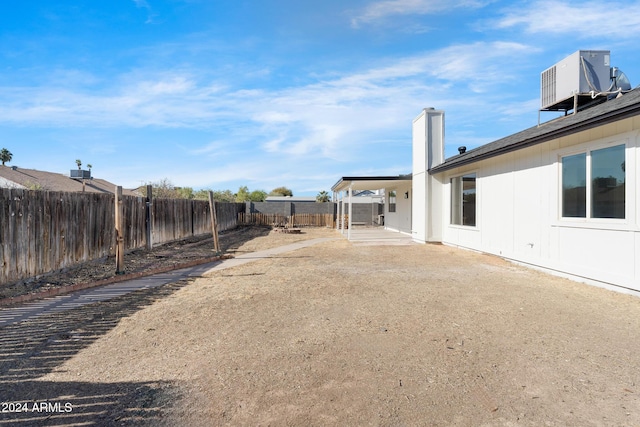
[(585, 72)]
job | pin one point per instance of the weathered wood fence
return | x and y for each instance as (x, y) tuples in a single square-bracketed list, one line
[(43, 231), (280, 220)]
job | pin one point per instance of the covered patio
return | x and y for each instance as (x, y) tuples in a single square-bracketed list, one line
[(343, 195), (379, 236)]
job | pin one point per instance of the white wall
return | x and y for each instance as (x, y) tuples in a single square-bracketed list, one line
[(519, 217), (400, 220), (428, 151)]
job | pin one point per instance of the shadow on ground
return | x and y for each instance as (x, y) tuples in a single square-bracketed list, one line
[(229, 243), (31, 349), (137, 261)]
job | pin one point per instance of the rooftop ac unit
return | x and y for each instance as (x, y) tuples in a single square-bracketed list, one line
[(79, 174), (585, 72)]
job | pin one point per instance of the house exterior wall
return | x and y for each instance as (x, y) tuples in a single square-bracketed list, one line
[(400, 220), (519, 214), (366, 213)]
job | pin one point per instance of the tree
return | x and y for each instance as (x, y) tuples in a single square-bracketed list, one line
[(218, 195), (5, 156), (243, 194), (224, 196), (323, 197), (33, 185), (79, 163), (162, 189), (184, 193), (281, 191), (257, 196)]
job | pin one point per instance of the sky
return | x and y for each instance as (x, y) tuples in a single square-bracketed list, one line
[(269, 93)]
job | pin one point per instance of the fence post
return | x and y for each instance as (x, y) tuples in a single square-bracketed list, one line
[(119, 220), (214, 222), (149, 217)]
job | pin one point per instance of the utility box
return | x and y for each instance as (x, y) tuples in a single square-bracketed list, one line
[(584, 73)]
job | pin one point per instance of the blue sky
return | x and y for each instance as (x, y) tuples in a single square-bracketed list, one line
[(219, 94)]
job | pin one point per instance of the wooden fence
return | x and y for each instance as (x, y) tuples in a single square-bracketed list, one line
[(43, 231), (281, 220)]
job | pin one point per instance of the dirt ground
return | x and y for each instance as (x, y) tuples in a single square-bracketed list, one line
[(140, 260), (336, 334)]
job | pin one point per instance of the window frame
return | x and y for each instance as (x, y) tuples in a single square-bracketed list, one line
[(587, 150), (451, 200), (393, 194)]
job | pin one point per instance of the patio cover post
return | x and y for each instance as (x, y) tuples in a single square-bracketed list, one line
[(350, 212), (338, 201), (342, 213)]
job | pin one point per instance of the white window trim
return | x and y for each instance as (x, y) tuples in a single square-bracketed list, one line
[(388, 208), (478, 210), (588, 222)]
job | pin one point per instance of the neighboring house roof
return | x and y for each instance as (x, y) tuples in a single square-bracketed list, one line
[(289, 199), (369, 182), (620, 108), (14, 177), (365, 193)]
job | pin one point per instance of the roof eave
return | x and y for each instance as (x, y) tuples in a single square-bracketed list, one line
[(620, 114)]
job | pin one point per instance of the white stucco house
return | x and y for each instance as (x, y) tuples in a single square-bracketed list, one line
[(562, 196)]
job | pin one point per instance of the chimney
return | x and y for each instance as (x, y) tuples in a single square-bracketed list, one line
[(428, 152)]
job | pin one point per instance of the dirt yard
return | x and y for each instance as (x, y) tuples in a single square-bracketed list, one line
[(337, 334)]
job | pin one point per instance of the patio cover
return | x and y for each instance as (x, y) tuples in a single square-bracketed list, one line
[(368, 182), (350, 183)]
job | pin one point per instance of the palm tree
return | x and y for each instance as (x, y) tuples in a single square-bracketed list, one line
[(322, 197), (5, 156), (79, 163)]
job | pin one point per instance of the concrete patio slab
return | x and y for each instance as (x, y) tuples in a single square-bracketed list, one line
[(375, 236)]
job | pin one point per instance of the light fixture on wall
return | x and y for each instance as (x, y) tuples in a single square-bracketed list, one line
[(406, 194)]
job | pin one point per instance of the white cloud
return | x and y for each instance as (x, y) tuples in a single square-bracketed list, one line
[(336, 118), (582, 19), (380, 10), (142, 4)]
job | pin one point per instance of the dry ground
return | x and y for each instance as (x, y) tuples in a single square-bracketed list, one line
[(338, 334), (141, 260)]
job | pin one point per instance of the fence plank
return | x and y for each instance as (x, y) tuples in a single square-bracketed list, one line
[(280, 220), (45, 231)]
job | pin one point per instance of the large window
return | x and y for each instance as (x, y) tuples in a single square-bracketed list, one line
[(463, 200), (593, 184)]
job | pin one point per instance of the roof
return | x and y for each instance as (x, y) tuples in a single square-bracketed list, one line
[(15, 177), (620, 108), (290, 199), (369, 182)]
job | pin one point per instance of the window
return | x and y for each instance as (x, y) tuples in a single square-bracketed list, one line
[(463, 200), (392, 201), (604, 196), (574, 186)]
